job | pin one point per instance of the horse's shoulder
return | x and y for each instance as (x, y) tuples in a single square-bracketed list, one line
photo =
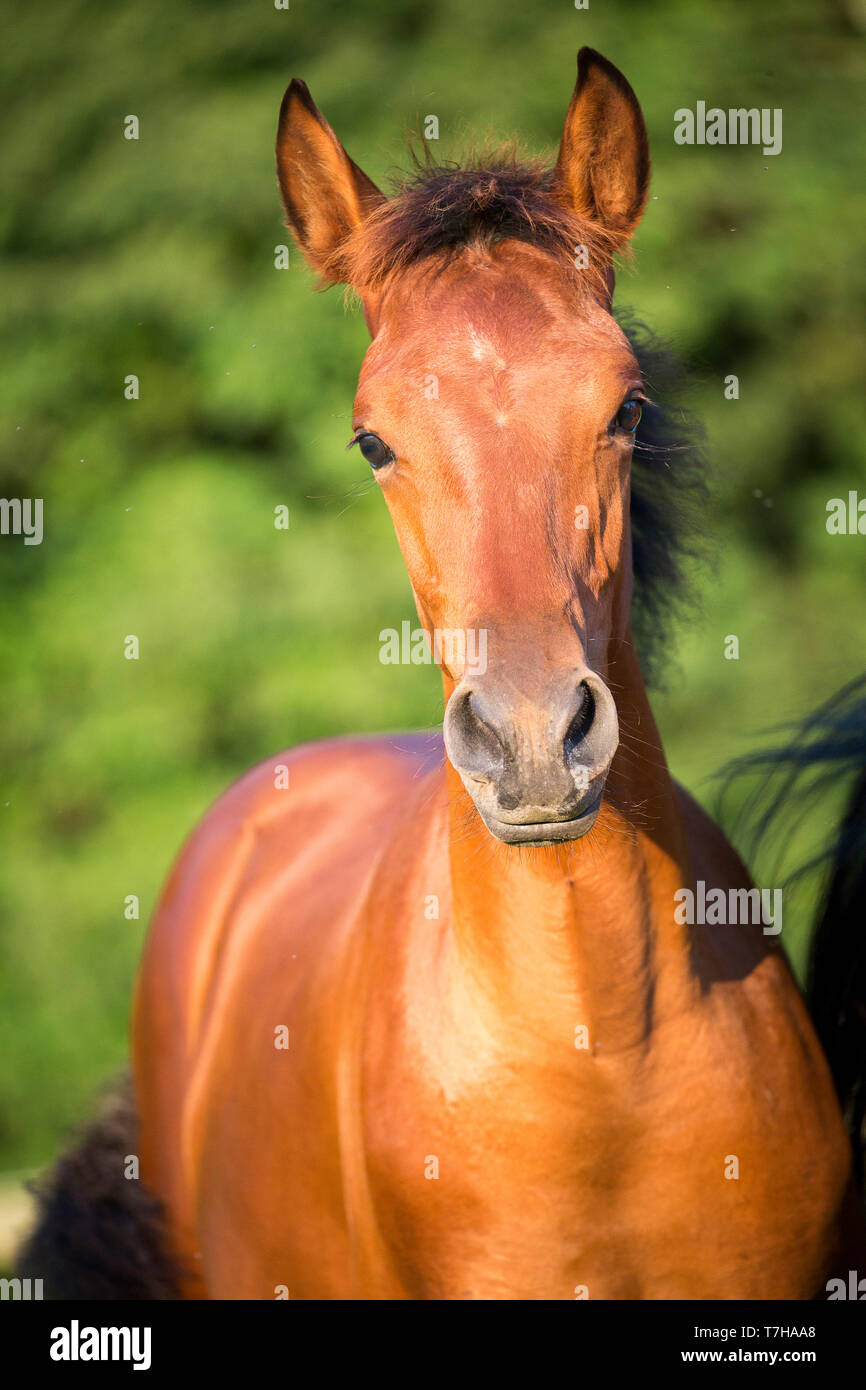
[(743, 951), (713, 856), (315, 804), (329, 777), (330, 773), (291, 841)]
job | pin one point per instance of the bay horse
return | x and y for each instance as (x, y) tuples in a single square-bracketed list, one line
[(417, 1017)]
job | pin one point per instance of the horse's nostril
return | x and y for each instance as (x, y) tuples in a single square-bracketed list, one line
[(485, 734), (472, 741), (581, 722)]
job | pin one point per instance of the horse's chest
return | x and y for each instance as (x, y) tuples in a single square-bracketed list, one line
[(631, 1180)]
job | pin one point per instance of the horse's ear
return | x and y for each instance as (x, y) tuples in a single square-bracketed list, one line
[(603, 168), (325, 195)]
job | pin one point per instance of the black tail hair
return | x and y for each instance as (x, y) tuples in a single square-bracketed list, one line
[(99, 1234), (829, 746)]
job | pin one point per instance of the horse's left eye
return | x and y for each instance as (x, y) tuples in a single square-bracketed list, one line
[(627, 418), (374, 449)]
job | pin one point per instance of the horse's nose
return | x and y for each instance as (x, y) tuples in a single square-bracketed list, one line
[(529, 762)]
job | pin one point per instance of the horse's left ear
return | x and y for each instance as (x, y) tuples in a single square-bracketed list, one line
[(603, 168), (325, 195)]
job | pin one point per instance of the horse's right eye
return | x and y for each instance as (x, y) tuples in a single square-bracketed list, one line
[(374, 449)]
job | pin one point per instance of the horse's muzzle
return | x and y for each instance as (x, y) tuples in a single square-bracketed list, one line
[(535, 769)]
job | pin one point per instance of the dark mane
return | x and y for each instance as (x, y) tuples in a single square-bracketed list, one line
[(669, 496), (440, 210)]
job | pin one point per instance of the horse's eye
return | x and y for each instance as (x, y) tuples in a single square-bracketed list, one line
[(627, 418), (374, 449)]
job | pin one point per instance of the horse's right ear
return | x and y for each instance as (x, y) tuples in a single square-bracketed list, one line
[(325, 195)]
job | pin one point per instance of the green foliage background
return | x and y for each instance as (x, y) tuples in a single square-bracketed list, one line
[(157, 257)]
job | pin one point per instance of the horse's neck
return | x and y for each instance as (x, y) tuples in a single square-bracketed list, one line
[(582, 935)]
